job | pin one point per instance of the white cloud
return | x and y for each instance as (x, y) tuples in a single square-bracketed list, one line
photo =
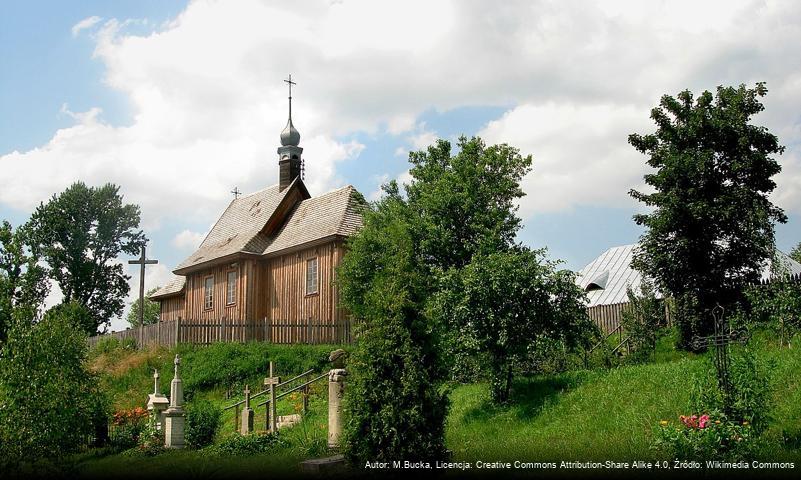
[(84, 24), (187, 240), (577, 78)]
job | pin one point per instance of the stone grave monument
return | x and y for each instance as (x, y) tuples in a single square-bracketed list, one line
[(174, 417), (157, 403)]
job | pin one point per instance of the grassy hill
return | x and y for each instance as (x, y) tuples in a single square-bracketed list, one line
[(582, 415)]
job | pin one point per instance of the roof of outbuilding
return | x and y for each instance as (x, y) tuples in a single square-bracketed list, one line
[(609, 275), (174, 286)]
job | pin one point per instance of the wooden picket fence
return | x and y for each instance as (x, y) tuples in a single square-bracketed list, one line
[(609, 317), (205, 332)]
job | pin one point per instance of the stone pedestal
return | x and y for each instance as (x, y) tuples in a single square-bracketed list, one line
[(174, 419), (157, 404), (247, 421), (336, 392), (174, 428)]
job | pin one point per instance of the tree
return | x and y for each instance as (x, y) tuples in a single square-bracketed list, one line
[(152, 311), (48, 398), (464, 204), (712, 224), (643, 320), (80, 233), (395, 406), (23, 282), (505, 302), (795, 253)]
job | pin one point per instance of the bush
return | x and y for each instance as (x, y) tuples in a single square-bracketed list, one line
[(705, 437), (48, 398), (202, 423), (643, 322), (127, 427), (240, 445)]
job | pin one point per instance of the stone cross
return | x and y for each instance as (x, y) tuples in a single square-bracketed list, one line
[(142, 261), (271, 383), (155, 381), (721, 339), (247, 414), (174, 416)]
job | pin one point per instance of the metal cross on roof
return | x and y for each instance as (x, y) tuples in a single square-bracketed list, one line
[(236, 192), (721, 339), (289, 82)]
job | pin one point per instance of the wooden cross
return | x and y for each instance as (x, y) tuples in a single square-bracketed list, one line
[(721, 339), (142, 261), (236, 192), (271, 382)]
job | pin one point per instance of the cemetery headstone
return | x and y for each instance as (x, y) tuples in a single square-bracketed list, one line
[(174, 417), (157, 403), (247, 414), (271, 382)]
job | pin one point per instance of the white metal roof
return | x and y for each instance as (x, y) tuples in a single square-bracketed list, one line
[(609, 275)]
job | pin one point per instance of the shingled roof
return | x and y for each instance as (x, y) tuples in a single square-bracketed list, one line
[(335, 213), (240, 229), (173, 287)]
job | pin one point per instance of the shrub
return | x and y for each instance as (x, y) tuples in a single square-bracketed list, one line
[(202, 423), (704, 437), (127, 427), (151, 440), (643, 322), (239, 445), (47, 396)]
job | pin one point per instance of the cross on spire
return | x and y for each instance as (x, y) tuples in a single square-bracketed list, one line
[(236, 192), (289, 83)]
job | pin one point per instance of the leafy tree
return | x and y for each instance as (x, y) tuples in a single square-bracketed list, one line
[(506, 301), (23, 282), (712, 224), (48, 398), (80, 233), (464, 204), (395, 405), (152, 311)]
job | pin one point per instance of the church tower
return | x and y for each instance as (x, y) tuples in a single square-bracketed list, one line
[(290, 164)]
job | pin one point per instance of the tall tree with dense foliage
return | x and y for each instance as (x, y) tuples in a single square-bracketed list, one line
[(23, 281), (506, 301), (151, 314), (80, 233), (48, 398), (395, 405), (711, 226)]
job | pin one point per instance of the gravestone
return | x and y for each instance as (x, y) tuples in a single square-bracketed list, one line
[(157, 403), (336, 392), (247, 414), (721, 339), (174, 417)]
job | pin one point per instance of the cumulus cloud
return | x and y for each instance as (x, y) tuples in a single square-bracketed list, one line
[(187, 240), (577, 78), (84, 24)]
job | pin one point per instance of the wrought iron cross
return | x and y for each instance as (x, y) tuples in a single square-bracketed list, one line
[(289, 82), (142, 261), (722, 338), (236, 192)]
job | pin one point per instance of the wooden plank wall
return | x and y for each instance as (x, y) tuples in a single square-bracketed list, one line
[(287, 286), (172, 308), (243, 305), (608, 317)]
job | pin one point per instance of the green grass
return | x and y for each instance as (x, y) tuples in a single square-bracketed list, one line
[(580, 415)]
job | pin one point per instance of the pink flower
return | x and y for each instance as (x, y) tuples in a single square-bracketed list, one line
[(703, 421)]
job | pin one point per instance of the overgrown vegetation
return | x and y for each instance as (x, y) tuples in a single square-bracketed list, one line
[(643, 322)]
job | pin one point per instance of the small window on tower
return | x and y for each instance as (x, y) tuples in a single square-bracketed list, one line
[(230, 288), (208, 293), (311, 276)]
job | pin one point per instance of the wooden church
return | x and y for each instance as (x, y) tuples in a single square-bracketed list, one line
[(271, 257)]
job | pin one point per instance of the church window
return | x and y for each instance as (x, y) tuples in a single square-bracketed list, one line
[(311, 276), (230, 288), (208, 293)]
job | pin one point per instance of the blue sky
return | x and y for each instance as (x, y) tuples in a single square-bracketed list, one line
[(178, 102)]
